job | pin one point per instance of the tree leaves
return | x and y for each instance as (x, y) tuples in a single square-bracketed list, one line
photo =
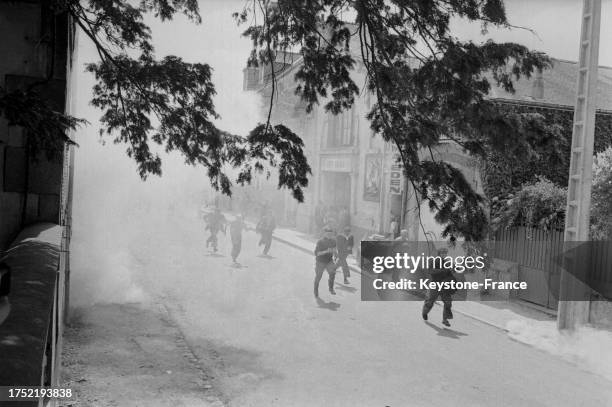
[(538, 204), (169, 102), (45, 128), (178, 94), (282, 148), (428, 84), (601, 196)]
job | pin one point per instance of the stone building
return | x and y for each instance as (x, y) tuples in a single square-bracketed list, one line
[(339, 149), (36, 52), (37, 47)]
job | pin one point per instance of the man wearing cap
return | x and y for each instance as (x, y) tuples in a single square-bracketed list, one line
[(324, 260)]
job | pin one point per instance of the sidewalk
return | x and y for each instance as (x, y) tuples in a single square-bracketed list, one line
[(499, 314), (132, 355)]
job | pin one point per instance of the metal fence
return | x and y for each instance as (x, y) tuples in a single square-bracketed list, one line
[(542, 250)]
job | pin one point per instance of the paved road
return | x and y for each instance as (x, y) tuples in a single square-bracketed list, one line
[(271, 344)]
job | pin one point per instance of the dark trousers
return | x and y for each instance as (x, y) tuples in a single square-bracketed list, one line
[(319, 269), (344, 265), (236, 248), (447, 299), (266, 241)]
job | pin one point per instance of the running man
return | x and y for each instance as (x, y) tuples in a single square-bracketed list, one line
[(215, 222), (324, 260), (266, 227), (344, 245), (440, 275), (236, 228)]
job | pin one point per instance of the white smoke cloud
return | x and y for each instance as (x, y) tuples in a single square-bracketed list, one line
[(120, 223)]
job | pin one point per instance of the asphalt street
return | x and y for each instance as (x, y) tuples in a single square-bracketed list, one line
[(270, 343)]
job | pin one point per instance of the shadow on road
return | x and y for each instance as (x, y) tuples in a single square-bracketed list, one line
[(238, 266), (332, 306), (214, 255), (449, 333), (266, 256), (346, 288)]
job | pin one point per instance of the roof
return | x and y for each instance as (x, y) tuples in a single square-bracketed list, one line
[(559, 85)]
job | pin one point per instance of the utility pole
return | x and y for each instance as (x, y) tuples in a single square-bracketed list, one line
[(575, 295)]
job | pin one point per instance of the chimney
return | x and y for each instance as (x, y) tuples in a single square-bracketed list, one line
[(537, 91)]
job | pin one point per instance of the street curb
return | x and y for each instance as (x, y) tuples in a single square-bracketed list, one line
[(358, 271), (482, 320)]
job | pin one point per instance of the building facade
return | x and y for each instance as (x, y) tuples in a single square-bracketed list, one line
[(356, 171), (356, 176), (36, 48), (36, 52)]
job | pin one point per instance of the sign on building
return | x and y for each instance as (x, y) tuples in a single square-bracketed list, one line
[(395, 179), (372, 178), (336, 164)]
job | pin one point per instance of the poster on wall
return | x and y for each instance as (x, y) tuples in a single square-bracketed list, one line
[(373, 173)]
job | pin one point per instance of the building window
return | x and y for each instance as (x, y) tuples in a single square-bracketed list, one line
[(341, 129)]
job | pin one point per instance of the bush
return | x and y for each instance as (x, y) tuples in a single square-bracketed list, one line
[(540, 204), (601, 196)]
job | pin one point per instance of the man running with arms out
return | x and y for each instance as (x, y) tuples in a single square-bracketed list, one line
[(324, 260)]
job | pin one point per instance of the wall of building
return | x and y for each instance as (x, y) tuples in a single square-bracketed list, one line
[(428, 227), (339, 172), (30, 191), (369, 212)]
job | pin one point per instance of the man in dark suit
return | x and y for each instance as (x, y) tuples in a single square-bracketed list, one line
[(441, 274), (266, 227), (344, 245), (215, 222), (324, 260)]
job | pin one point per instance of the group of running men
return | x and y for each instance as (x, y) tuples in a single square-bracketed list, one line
[(331, 252), (216, 222)]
